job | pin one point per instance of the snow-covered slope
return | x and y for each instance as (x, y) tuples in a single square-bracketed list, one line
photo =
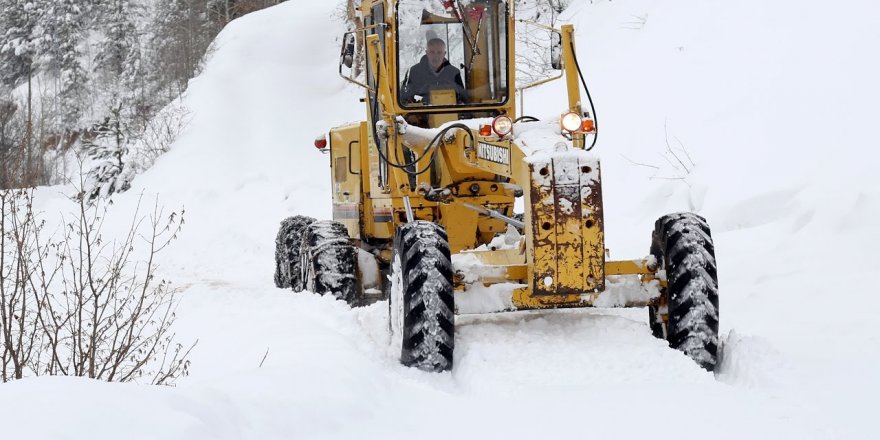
[(773, 102)]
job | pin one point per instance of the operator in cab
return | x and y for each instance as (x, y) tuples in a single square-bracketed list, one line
[(433, 72)]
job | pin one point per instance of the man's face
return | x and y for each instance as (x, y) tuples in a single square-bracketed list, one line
[(436, 55)]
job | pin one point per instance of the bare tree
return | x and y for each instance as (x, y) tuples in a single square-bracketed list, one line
[(80, 304)]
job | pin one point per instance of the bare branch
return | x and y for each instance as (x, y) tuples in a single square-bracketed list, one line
[(264, 358)]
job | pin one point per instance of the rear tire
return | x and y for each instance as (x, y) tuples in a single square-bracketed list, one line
[(421, 303), (329, 261), (655, 320), (287, 248), (683, 246)]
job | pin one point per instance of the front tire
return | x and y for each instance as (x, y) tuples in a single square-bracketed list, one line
[(329, 261), (421, 302), (686, 314)]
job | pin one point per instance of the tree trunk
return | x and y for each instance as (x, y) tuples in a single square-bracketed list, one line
[(29, 131)]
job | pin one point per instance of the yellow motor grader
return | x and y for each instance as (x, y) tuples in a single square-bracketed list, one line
[(426, 192)]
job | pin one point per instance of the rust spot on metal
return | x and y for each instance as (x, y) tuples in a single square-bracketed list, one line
[(594, 199)]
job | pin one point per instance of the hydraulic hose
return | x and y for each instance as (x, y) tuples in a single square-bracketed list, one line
[(526, 119), (589, 98), (432, 147)]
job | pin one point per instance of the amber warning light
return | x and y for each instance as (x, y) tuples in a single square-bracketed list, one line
[(573, 123)]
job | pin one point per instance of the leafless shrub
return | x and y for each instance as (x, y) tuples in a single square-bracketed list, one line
[(677, 163), (159, 133), (78, 304), (22, 278)]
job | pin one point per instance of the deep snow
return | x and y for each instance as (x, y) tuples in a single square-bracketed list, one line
[(773, 101)]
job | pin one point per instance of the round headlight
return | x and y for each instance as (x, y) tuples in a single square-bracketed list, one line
[(570, 122), (502, 126)]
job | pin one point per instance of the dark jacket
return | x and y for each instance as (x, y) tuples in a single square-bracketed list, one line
[(421, 79)]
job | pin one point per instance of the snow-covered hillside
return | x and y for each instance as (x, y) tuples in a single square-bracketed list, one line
[(772, 101)]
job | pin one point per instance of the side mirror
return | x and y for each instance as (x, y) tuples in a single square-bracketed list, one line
[(556, 50), (346, 58), (348, 69)]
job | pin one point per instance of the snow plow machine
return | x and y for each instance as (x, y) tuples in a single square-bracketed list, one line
[(446, 202)]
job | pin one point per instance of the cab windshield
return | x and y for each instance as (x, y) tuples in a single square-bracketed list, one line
[(452, 56)]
